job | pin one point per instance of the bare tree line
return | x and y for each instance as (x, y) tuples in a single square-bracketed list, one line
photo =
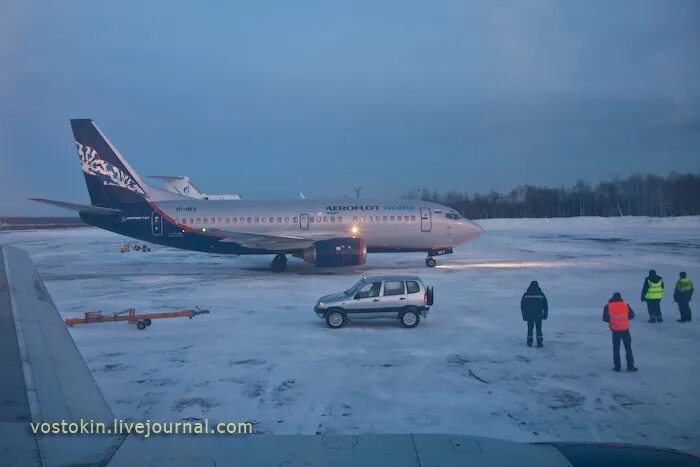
[(637, 195)]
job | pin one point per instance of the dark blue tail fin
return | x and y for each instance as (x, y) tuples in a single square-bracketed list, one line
[(110, 179)]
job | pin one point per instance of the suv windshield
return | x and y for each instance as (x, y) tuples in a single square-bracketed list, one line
[(353, 290)]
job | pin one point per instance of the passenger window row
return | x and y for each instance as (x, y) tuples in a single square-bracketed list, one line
[(254, 220), (376, 219), (287, 220)]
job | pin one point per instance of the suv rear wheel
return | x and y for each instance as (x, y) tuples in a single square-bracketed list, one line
[(410, 318), (335, 318)]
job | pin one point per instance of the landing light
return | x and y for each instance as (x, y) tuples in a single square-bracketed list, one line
[(354, 229), (204, 229)]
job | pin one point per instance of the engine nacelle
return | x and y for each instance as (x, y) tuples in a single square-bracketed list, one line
[(337, 252)]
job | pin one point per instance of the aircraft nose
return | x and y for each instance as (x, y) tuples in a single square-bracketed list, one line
[(470, 231)]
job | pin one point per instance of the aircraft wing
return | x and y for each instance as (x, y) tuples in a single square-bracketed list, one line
[(275, 242), (80, 208), (43, 376)]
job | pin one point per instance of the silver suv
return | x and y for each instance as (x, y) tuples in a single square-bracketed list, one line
[(402, 297)]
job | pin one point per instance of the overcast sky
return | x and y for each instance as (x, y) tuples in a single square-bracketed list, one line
[(267, 99)]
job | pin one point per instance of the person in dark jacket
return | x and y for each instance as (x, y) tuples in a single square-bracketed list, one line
[(652, 293), (618, 314), (682, 295), (534, 309)]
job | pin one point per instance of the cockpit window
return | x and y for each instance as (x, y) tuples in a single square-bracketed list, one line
[(453, 215)]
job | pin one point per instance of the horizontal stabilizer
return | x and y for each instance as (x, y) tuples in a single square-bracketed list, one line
[(81, 208)]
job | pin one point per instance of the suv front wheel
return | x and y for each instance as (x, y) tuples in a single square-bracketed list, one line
[(410, 318), (335, 318)]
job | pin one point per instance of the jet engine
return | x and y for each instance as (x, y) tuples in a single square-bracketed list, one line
[(336, 252)]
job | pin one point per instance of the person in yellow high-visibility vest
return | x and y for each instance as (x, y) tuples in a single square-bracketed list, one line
[(682, 295), (652, 293)]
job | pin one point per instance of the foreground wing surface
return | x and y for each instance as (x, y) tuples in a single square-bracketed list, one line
[(44, 378)]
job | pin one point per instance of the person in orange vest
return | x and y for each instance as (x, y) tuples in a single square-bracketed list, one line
[(652, 293), (618, 314)]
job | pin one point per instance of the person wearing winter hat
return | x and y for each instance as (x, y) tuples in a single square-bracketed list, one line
[(534, 308), (618, 314), (652, 293)]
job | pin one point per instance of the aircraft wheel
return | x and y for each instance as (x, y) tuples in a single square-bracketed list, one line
[(279, 264), (141, 325), (430, 262)]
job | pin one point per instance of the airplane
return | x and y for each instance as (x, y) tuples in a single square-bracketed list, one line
[(184, 186), (323, 232), (45, 385)]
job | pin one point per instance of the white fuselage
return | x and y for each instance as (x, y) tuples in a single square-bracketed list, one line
[(389, 225)]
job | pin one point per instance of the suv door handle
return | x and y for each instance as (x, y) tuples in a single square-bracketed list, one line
[(375, 300), (402, 298)]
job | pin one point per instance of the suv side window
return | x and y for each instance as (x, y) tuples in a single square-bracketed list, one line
[(393, 288), (369, 290), (412, 286)]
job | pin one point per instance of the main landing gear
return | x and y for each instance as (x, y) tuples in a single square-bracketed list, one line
[(430, 262), (279, 264)]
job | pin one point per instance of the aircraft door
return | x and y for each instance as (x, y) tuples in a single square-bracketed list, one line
[(304, 221), (156, 224), (426, 220)]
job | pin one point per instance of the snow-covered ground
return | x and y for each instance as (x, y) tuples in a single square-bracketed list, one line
[(262, 355)]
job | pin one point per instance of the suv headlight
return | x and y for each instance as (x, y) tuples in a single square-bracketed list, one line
[(321, 305)]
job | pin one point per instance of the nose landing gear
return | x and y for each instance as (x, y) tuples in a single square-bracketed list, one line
[(279, 264), (430, 261)]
